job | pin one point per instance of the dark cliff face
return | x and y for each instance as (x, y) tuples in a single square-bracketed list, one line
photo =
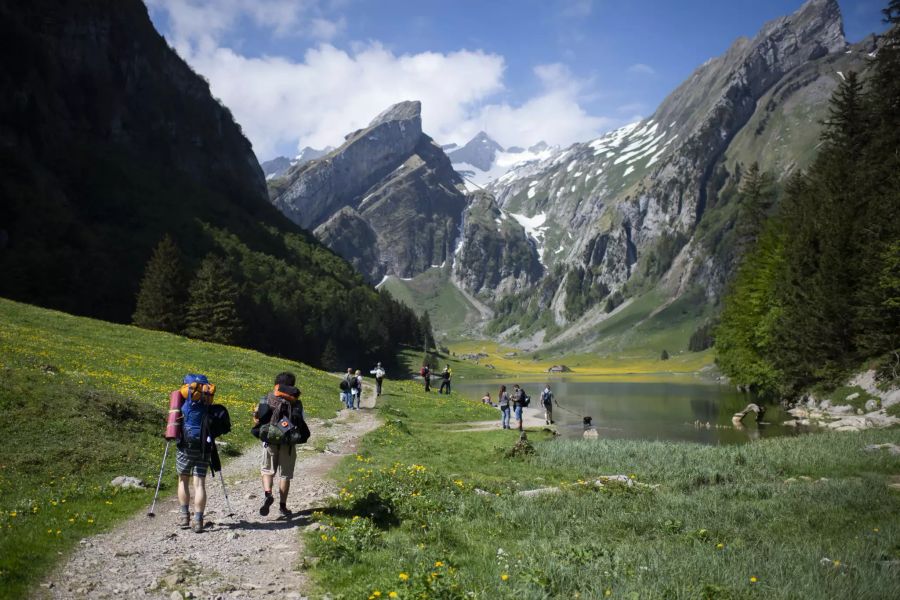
[(495, 256), (396, 180)]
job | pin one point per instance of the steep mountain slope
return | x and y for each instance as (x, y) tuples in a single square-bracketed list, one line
[(619, 215), (109, 141), (388, 184), (279, 165)]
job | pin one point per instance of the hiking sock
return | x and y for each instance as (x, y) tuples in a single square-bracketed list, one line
[(264, 509)]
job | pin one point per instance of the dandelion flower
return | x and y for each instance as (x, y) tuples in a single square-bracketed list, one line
[(439, 564), (753, 579), (12, 514), (403, 577), (504, 577), (720, 546), (392, 595), (607, 593), (836, 563)]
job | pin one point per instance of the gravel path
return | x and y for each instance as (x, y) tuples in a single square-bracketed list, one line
[(243, 556)]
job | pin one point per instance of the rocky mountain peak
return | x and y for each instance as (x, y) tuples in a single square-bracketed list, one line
[(479, 152), (406, 111)]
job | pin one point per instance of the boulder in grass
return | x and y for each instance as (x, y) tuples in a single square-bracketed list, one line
[(124, 481)]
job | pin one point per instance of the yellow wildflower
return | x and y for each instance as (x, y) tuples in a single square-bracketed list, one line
[(393, 595), (403, 577), (753, 579), (504, 577), (439, 564), (836, 563), (719, 546), (607, 593)]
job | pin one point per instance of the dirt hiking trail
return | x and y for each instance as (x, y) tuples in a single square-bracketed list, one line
[(243, 556)]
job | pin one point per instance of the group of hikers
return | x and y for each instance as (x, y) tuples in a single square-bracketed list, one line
[(278, 422), (515, 401), (352, 385), (445, 376)]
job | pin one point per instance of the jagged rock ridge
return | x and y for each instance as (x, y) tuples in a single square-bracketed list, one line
[(402, 191)]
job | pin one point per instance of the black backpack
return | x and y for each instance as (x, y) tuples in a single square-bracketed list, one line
[(218, 421), (345, 385)]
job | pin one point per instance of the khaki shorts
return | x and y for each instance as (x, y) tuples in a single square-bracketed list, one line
[(279, 458)]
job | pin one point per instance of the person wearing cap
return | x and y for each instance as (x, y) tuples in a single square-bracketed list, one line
[(378, 372), (282, 401)]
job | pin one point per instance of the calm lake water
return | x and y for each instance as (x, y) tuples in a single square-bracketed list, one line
[(655, 410)]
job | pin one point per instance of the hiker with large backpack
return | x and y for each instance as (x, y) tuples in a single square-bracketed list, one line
[(195, 446), (279, 423)]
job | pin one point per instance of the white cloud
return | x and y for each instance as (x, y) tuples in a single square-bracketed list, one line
[(284, 103), (577, 8), (641, 69)]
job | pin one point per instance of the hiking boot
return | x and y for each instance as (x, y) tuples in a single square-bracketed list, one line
[(197, 525), (184, 520), (284, 510), (264, 509)]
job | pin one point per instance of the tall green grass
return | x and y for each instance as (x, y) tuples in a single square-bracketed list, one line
[(85, 401), (426, 513)]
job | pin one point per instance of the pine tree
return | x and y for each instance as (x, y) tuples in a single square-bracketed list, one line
[(162, 294), (756, 198), (212, 310), (329, 359), (877, 314), (427, 332)]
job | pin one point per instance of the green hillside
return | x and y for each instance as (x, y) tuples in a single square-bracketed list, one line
[(83, 402), (450, 313)]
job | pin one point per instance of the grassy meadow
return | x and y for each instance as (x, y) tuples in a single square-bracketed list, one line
[(428, 513), (85, 401)]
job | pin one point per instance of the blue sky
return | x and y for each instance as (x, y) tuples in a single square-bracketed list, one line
[(305, 72)]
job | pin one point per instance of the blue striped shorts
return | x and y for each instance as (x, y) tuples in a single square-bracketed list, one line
[(191, 461)]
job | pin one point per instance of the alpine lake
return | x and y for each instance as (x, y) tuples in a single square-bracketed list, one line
[(667, 407)]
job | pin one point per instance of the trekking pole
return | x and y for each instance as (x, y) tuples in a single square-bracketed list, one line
[(150, 513), (225, 493), (218, 463)]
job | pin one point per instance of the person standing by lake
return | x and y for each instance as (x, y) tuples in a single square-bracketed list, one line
[(426, 377), (378, 372), (503, 403), (518, 397), (547, 402), (445, 380)]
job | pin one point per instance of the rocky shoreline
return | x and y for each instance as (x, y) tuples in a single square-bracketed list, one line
[(812, 412)]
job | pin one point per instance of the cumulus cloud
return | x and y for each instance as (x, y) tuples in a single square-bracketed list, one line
[(286, 103)]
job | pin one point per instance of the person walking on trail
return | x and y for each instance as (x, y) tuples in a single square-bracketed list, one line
[(547, 403), (503, 403), (445, 380), (193, 451), (347, 389), (378, 372), (278, 414), (426, 376), (519, 403), (356, 389)]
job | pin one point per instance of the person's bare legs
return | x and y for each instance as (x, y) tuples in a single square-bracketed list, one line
[(267, 482), (184, 494), (284, 486), (199, 494)]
